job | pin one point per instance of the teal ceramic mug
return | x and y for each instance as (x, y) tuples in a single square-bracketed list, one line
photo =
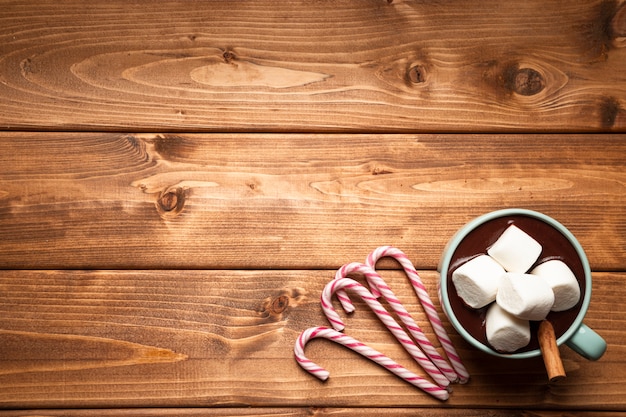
[(557, 243)]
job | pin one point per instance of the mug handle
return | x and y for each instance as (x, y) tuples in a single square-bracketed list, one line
[(587, 343)]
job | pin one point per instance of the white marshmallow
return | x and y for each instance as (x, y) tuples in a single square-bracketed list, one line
[(526, 296), (515, 250), (505, 332), (563, 282), (477, 281)]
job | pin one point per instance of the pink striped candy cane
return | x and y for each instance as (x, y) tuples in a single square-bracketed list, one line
[(342, 295), (372, 354), (385, 317), (426, 302), (376, 280)]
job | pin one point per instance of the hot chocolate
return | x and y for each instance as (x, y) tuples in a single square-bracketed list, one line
[(554, 246)]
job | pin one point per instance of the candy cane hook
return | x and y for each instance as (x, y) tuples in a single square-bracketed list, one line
[(426, 302), (372, 354), (385, 317)]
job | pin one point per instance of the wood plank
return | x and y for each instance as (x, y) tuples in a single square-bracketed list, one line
[(358, 65), (298, 412), (215, 201), (74, 339)]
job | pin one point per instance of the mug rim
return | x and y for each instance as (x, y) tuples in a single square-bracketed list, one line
[(473, 224)]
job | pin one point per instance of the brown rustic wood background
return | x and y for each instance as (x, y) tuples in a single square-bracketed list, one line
[(180, 179)]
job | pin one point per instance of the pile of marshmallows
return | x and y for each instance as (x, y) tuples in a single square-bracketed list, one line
[(502, 275)]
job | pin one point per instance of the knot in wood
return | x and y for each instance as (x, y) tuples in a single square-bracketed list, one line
[(228, 57), (275, 307), (171, 202), (526, 82), (279, 304), (416, 74)]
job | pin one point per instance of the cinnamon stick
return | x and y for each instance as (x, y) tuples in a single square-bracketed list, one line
[(550, 351)]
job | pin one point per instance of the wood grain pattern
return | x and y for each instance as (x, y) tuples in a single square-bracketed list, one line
[(111, 201), (179, 180), (310, 66), (225, 338), (299, 412)]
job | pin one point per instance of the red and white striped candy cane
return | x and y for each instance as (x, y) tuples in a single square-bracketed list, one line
[(342, 295), (372, 354), (376, 280), (426, 302), (385, 317)]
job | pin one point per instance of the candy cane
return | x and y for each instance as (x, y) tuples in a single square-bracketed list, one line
[(342, 295), (385, 317), (376, 280), (429, 308), (372, 354)]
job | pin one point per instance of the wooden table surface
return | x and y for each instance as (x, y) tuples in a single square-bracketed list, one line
[(179, 180)]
